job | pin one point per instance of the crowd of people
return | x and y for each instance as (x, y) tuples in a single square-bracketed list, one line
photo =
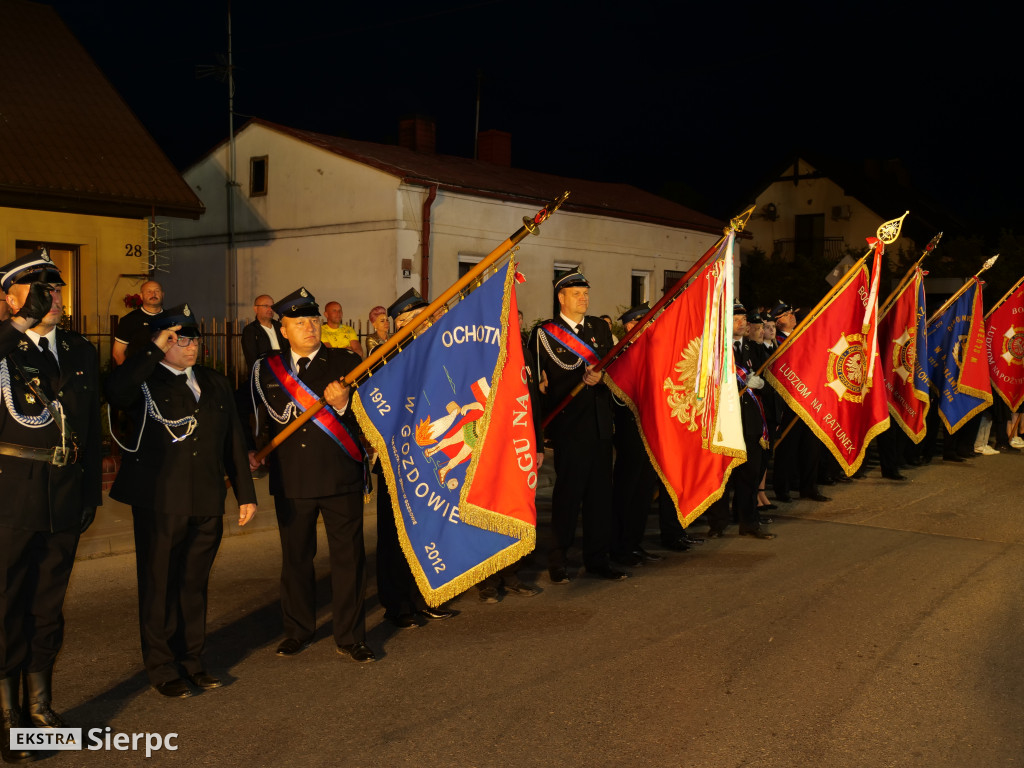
[(184, 433)]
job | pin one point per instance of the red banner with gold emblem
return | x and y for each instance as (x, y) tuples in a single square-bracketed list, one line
[(1004, 338), (902, 339), (825, 372), (678, 379)]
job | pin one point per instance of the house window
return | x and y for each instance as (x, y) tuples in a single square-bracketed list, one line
[(671, 278), (639, 287), (809, 236), (258, 176)]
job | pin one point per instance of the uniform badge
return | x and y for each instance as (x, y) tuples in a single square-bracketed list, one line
[(302, 293), (64, 345), (187, 312), (846, 367), (30, 398), (44, 254), (23, 345)]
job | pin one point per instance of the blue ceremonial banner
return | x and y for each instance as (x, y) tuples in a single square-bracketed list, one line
[(924, 373), (957, 359), (428, 412)]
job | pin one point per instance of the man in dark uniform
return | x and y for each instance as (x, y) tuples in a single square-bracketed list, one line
[(191, 438), (633, 478), (316, 471), (49, 483), (401, 599), (263, 335), (797, 456), (567, 348), (745, 478), (134, 329)]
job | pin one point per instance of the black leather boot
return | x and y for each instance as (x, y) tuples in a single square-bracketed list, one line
[(38, 697), (10, 715)]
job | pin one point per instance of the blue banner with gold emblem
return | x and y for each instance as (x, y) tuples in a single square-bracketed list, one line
[(437, 420), (957, 361)]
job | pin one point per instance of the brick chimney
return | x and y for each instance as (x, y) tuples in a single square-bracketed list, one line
[(495, 147), (418, 133)]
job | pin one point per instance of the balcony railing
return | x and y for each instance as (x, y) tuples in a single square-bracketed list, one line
[(829, 249)]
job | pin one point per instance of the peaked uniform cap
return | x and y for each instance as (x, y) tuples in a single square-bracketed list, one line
[(300, 303), (180, 315), (29, 269), (407, 302)]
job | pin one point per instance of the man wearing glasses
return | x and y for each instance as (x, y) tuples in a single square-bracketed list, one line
[(189, 439), (263, 335)]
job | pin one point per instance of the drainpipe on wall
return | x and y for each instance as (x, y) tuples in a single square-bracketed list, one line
[(425, 244)]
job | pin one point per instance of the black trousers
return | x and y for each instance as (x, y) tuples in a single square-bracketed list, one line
[(633, 484), (34, 570), (343, 522), (583, 485), (668, 518), (743, 483), (796, 460), (173, 558), (396, 586)]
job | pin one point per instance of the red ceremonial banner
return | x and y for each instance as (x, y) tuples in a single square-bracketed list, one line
[(501, 496), (974, 373), (1004, 338), (899, 339), (657, 376), (824, 373)]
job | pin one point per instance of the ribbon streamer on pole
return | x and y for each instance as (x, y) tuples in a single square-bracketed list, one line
[(735, 225), (530, 226), (886, 305)]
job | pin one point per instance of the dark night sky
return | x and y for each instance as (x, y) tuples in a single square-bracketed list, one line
[(709, 98)]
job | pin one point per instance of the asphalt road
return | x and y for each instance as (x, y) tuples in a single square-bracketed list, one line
[(881, 629)]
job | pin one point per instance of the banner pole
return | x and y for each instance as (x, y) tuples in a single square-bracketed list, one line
[(1005, 297), (530, 226), (737, 224), (987, 265)]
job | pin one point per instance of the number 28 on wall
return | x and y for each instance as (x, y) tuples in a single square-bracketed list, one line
[(133, 250)]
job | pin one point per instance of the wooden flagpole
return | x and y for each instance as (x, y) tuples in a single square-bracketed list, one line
[(530, 226)]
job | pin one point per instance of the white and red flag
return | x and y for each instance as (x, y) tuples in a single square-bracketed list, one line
[(678, 378)]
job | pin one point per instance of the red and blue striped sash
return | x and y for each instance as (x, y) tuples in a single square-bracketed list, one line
[(305, 398), (571, 341)]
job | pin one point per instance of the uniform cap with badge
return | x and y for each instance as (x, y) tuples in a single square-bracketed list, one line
[(300, 303), (570, 280), (635, 313), (31, 268), (180, 315), (407, 302)]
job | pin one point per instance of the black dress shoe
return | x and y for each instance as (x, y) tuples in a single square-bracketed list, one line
[(678, 544), (784, 497), (765, 520), (205, 681), (647, 557), (628, 559), (523, 590), (489, 595), (816, 497), (559, 576), (404, 620), (844, 479), (757, 533), (893, 476), (716, 533), (692, 539), (359, 652), (607, 573), (766, 507), (290, 646), (436, 614), (174, 689)]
